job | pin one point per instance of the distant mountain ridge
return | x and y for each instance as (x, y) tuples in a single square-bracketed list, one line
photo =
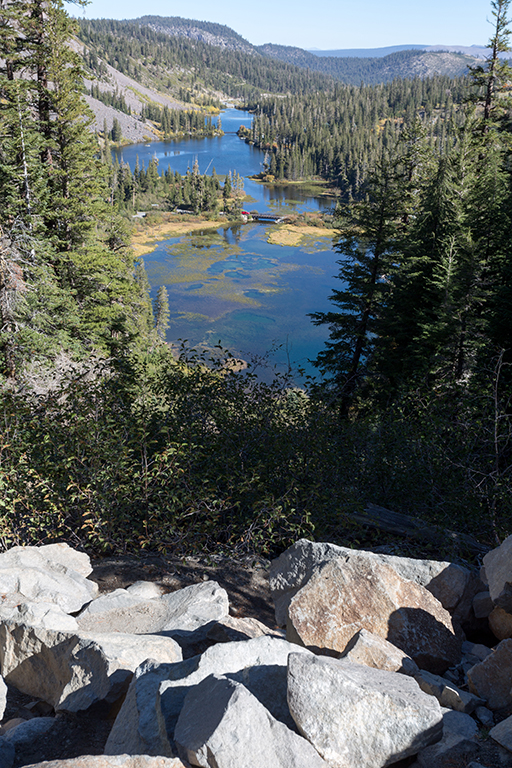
[(385, 65), (477, 51), (404, 63), (205, 31)]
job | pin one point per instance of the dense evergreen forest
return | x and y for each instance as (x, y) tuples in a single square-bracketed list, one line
[(112, 441), (372, 70), (341, 134), (176, 62)]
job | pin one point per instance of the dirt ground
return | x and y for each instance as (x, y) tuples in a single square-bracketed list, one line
[(246, 583)]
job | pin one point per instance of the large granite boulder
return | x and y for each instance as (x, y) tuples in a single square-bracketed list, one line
[(448, 582), (54, 573), (148, 717), (222, 725), (359, 716), (491, 679), (72, 671), (498, 574), (345, 595), (184, 610)]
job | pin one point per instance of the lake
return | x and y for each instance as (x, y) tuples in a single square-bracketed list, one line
[(231, 286)]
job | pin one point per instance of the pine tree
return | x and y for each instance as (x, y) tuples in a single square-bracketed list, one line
[(367, 238)]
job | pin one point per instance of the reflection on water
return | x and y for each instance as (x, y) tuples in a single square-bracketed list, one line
[(232, 286)]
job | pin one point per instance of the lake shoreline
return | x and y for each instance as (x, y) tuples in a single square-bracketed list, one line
[(147, 238)]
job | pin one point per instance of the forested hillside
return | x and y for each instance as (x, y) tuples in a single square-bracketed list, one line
[(340, 135), (114, 443), (374, 70), (187, 68)]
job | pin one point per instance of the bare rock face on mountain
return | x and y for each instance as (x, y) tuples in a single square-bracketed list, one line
[(344, 596), (358, 716)]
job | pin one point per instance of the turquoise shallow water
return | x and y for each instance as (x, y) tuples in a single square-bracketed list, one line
[(230, 286)]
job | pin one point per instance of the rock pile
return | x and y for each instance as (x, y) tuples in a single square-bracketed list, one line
[(374, 667)]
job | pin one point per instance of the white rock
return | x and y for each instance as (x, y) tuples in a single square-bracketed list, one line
[(498, 571), (45, 615), (72, 671), (28, 574), (222, 725), (62, 554), (148, 717), (359, 716), (147, 590), (184, 610), (292, 569), (3, 697)]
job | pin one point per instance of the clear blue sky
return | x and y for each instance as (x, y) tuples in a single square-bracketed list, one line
[(325, 24)]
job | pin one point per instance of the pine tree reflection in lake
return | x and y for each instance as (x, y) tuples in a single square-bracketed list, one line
[(230, 285)]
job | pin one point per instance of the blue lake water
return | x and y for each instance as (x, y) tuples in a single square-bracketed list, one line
[(230, 285)]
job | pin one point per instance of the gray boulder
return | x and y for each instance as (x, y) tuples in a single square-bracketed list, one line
[(60, 554), (498, 572), (451, 750), (482, 604), (459, 723), (344, 595), (184, 610), (45, 615), (502, 733), (222, 725), (148, 717), (490, 679), (72, 671), (25, 733), (373, 651), (359, 716), (293, 568), (7, 753)]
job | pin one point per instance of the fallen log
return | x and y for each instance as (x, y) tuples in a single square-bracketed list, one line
[(384, 519)]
